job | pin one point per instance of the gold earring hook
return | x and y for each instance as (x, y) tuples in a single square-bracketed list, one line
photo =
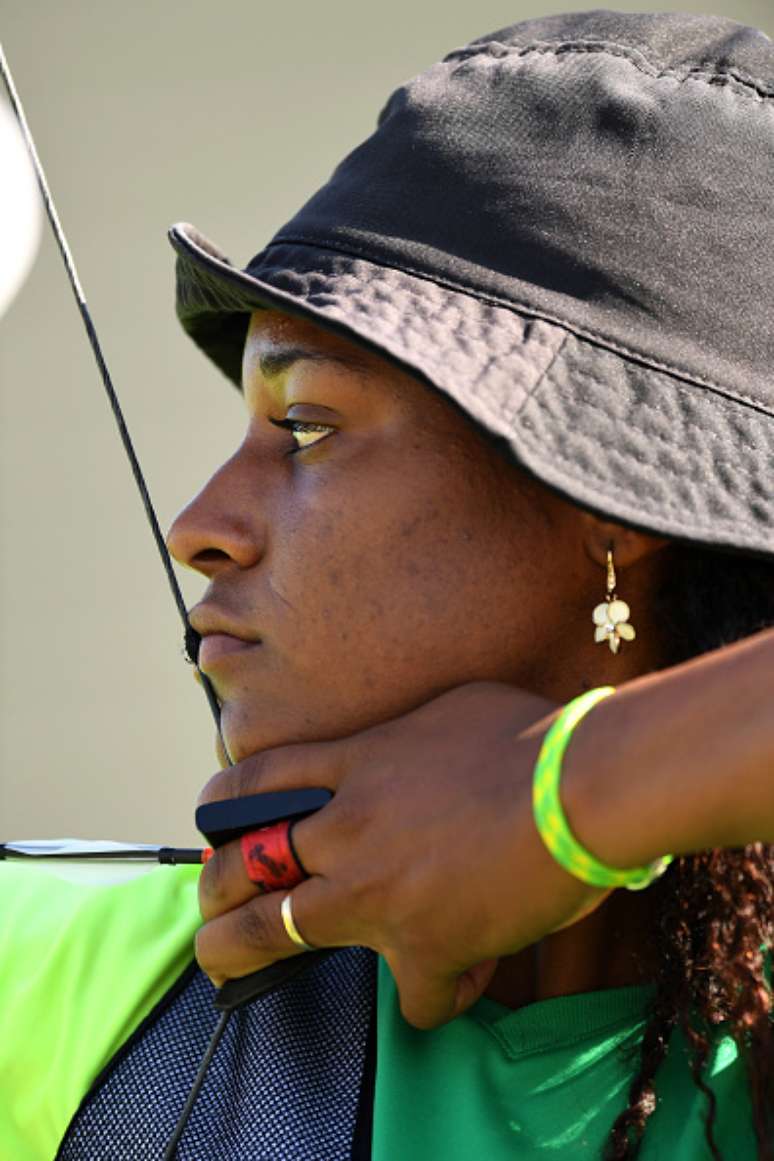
[(610, 574)]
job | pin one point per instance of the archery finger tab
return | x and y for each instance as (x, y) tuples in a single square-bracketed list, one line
[(262, 861), (270, 859)]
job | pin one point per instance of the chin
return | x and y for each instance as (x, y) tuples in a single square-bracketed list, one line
[(317, 710), (245, 733)]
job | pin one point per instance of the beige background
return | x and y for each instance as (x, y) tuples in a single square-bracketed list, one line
[(228, 115)]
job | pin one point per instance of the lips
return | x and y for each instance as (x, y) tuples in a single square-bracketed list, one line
[(218, 647), (219, 636)]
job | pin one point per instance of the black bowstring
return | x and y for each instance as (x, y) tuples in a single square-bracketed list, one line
[(191, 637), (174, 1140), (269, 978)]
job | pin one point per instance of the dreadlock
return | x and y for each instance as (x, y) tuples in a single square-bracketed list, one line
[(716, 908)]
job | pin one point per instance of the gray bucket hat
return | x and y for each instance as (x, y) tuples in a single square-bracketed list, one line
[(568, 228)]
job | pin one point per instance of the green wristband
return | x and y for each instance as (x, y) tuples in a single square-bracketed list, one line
[(549, 815)]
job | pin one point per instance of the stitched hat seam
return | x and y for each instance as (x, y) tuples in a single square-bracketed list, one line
[(516, 306), (519, 306), (638, 59)]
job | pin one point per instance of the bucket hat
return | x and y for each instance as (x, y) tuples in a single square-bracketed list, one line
[(568, 228)]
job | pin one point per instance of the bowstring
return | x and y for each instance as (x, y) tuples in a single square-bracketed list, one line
[(191, 637), (190, 634)]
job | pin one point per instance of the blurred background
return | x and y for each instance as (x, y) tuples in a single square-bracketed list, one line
[(227, 115)]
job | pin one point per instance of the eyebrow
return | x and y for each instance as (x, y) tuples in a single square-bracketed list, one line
[(275, 362)]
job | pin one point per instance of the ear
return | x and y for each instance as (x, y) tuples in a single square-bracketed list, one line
[(627, 544)]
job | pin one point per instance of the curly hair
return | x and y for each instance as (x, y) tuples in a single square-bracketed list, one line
[(716, 908)]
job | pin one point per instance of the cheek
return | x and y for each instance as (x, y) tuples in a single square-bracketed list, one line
[(395, 591), (385, 591)]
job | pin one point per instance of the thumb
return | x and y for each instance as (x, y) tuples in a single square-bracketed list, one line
[(427, 1000), (472, 984)]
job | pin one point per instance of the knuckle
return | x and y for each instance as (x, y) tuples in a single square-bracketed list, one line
[(367, 903), (346, 816), (254, 928)]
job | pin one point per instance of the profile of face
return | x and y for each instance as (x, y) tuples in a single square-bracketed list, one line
[(367, 548)]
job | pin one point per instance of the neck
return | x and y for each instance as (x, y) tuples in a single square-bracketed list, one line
[(611, 948)]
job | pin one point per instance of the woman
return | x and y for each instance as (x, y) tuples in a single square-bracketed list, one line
[(505, 434)]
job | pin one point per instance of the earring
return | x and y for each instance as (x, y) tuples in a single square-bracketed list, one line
[(612, 616)]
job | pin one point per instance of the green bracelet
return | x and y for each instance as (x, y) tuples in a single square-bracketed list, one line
[(549, 815)]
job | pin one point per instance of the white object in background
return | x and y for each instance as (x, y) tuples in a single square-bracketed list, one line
[(21, 218)]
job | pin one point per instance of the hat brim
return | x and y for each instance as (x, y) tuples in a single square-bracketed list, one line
[(620, 437)]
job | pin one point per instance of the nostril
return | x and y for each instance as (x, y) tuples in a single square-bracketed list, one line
[(209, 556)]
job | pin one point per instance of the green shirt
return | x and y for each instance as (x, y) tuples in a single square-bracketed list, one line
[(545, 1081), (81, 965)]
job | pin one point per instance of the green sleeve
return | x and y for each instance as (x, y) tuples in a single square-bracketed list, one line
[(81, 965)]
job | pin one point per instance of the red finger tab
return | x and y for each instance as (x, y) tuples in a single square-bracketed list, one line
[(269, 858)]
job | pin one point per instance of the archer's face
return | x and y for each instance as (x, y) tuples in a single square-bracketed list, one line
[(366, 549)]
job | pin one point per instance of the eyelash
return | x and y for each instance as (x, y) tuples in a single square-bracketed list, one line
[(297, 426)]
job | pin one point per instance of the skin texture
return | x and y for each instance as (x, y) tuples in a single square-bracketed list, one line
[(395, 559)]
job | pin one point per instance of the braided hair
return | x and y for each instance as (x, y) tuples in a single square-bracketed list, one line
[(716, 908)]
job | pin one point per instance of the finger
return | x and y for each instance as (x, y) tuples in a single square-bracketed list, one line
[(253, 936), (283, 768), (261, 861), (426, 999)]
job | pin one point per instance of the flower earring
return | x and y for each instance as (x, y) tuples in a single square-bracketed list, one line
[(612, 616)]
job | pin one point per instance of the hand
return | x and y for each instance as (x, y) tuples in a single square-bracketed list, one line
[(427, 853)]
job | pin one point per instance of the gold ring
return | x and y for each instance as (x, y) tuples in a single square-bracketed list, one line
[(290, 926)]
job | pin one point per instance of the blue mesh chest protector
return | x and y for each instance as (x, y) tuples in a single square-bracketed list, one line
[(283, 1086)]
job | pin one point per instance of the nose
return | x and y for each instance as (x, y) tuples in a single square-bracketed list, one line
[(221, 527)]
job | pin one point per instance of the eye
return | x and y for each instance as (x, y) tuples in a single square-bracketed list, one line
[(305, 434)]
